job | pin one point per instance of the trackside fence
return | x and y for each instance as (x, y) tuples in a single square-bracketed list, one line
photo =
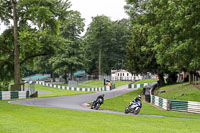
[(160, 102), (7, 95), (105, 88), (135, 86), (176, 105)]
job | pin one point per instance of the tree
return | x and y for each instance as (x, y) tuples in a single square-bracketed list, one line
[(117, 52), (106, 42), (178, 32), (141, 56), (98, 37), (31, 18), (68, 57), (173, 31)]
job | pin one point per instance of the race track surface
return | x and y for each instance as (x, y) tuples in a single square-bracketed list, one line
[(75, 102), (79, 102)]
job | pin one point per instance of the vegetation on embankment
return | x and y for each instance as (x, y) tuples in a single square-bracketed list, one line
[(183, 91)]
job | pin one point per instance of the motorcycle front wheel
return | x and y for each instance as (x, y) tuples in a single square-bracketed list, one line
[(137, 110), (126, 111)]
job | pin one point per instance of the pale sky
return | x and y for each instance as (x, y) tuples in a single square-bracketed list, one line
[(91, 8)]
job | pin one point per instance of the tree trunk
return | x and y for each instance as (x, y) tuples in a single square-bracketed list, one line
[(172, 78), (16, 46), (66, 78), (53, 77), (72, 75), (190, 77), (100, 50), (161, 81)]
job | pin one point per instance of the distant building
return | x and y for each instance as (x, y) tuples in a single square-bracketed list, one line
[(123, 75)]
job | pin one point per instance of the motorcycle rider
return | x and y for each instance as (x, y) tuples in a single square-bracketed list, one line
[(99, 99), (138, 100)]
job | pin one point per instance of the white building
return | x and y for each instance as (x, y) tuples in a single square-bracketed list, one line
[(123, 75)]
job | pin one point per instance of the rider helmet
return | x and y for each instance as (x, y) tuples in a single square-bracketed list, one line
[(139, 97)]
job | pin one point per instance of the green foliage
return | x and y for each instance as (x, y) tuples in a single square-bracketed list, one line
[(106, 43), (6, 57), (38, 27), (172, 32), (4, 85)]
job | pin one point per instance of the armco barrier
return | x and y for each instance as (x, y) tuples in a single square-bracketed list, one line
[(176, 105), (160, 102), (105, 88), (7, 95), (135, 86)]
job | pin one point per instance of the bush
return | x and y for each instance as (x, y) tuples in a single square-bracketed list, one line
[(4, 86)]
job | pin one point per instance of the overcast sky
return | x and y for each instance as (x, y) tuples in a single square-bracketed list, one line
[(91, 8)]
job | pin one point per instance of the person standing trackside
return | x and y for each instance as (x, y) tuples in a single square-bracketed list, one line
[(109, 84)]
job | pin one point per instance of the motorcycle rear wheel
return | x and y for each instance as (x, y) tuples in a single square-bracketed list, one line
[(136, 111), (93, 105), (97, 106)]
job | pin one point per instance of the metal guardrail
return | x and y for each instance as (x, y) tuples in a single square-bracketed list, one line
[(160, 102), (176, 105), (137, 85), (7, 95)]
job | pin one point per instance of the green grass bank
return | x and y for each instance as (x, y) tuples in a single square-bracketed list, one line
[(27, 119), (184, 91)]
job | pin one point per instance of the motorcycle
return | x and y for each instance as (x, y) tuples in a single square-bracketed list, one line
[(134, 107), (96, 104)]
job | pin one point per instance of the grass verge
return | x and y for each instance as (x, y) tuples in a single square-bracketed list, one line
[(88, 84), (185, 91), (54, 92), (120, 83), (97, 83), (146, 81), (28, 119)]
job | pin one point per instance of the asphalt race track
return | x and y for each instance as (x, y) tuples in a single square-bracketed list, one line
[(75, 102), (80, 102)]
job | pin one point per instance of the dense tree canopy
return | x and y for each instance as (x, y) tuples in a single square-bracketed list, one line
[(172, 33), (33, 24), (106, 44)]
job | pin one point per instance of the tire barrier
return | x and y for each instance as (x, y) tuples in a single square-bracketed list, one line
[(176, 105), (105, 88)]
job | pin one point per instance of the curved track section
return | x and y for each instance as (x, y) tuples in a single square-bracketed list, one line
[(78, 102), (75, 102)]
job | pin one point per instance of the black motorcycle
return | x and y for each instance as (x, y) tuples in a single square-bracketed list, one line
[(96, 104), (134, 107)]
